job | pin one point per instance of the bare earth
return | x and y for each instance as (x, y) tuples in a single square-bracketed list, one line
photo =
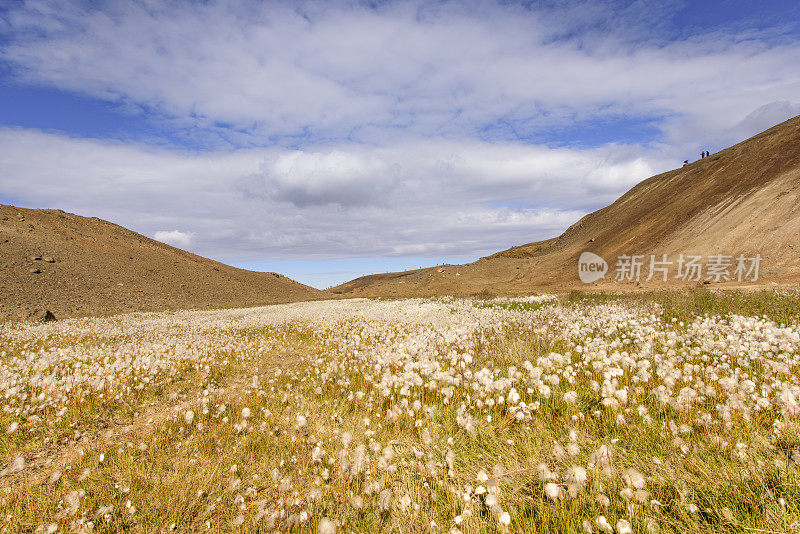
[(78, 266), (741, 200)]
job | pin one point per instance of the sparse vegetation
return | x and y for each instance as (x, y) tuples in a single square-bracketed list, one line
[(644, 413), (783, 307), (517, 304)]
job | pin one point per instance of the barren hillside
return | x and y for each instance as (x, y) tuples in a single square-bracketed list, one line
[(741, 200), (74, 266)]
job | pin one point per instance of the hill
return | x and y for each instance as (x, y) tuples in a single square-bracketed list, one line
[(744, 200), (77, 266)]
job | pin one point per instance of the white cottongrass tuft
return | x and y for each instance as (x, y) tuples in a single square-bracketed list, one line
[(633, 478), (326, 526), (504, 519), (552, 491), (603, 524)]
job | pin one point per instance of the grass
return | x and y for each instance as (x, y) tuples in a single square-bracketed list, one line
[(160, 472), (514, 306), (782, 308)]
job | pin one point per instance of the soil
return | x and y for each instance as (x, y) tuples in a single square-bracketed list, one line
[(69, 265), (742, 200)]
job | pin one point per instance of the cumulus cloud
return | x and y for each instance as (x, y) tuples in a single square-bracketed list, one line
[(426, 198), (175, 238), (766, 116), (311, 178), (363, 72), (355, 129)]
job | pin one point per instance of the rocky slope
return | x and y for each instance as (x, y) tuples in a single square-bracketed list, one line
[(742, 200), (76, 266)]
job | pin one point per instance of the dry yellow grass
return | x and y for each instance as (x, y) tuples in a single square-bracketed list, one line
[(403, 416)]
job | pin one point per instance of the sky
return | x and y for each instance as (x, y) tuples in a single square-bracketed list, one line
[(326, 140)]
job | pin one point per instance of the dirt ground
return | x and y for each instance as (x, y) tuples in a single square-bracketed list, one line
[(81, 266), (741, 200)]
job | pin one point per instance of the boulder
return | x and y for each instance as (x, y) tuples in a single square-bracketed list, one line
[(41, 316)]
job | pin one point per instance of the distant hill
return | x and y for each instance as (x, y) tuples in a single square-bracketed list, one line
[(741, 200), (77, 266)]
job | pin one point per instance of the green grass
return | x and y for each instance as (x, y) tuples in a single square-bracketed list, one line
[(514, 306), (782, 308)]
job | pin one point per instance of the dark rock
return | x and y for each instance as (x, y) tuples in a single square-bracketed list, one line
[(35, 271), (41, 316)]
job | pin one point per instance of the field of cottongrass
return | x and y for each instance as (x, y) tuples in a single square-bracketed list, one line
[(672, 413)]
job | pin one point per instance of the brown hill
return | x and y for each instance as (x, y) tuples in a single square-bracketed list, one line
[(741, 200), (75, 266)]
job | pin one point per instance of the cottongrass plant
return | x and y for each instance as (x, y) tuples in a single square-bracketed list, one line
[(419, 415)]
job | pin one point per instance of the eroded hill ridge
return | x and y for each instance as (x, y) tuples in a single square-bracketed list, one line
[(744, 200), (75, 266)]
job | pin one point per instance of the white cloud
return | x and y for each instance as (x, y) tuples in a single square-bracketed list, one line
[(347, 178), (433, 198), (175, 238), (766, 116), (397, 129), (349, 71)]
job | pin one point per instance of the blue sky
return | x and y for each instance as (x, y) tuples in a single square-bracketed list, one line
[(325, 140), (327, 273)]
